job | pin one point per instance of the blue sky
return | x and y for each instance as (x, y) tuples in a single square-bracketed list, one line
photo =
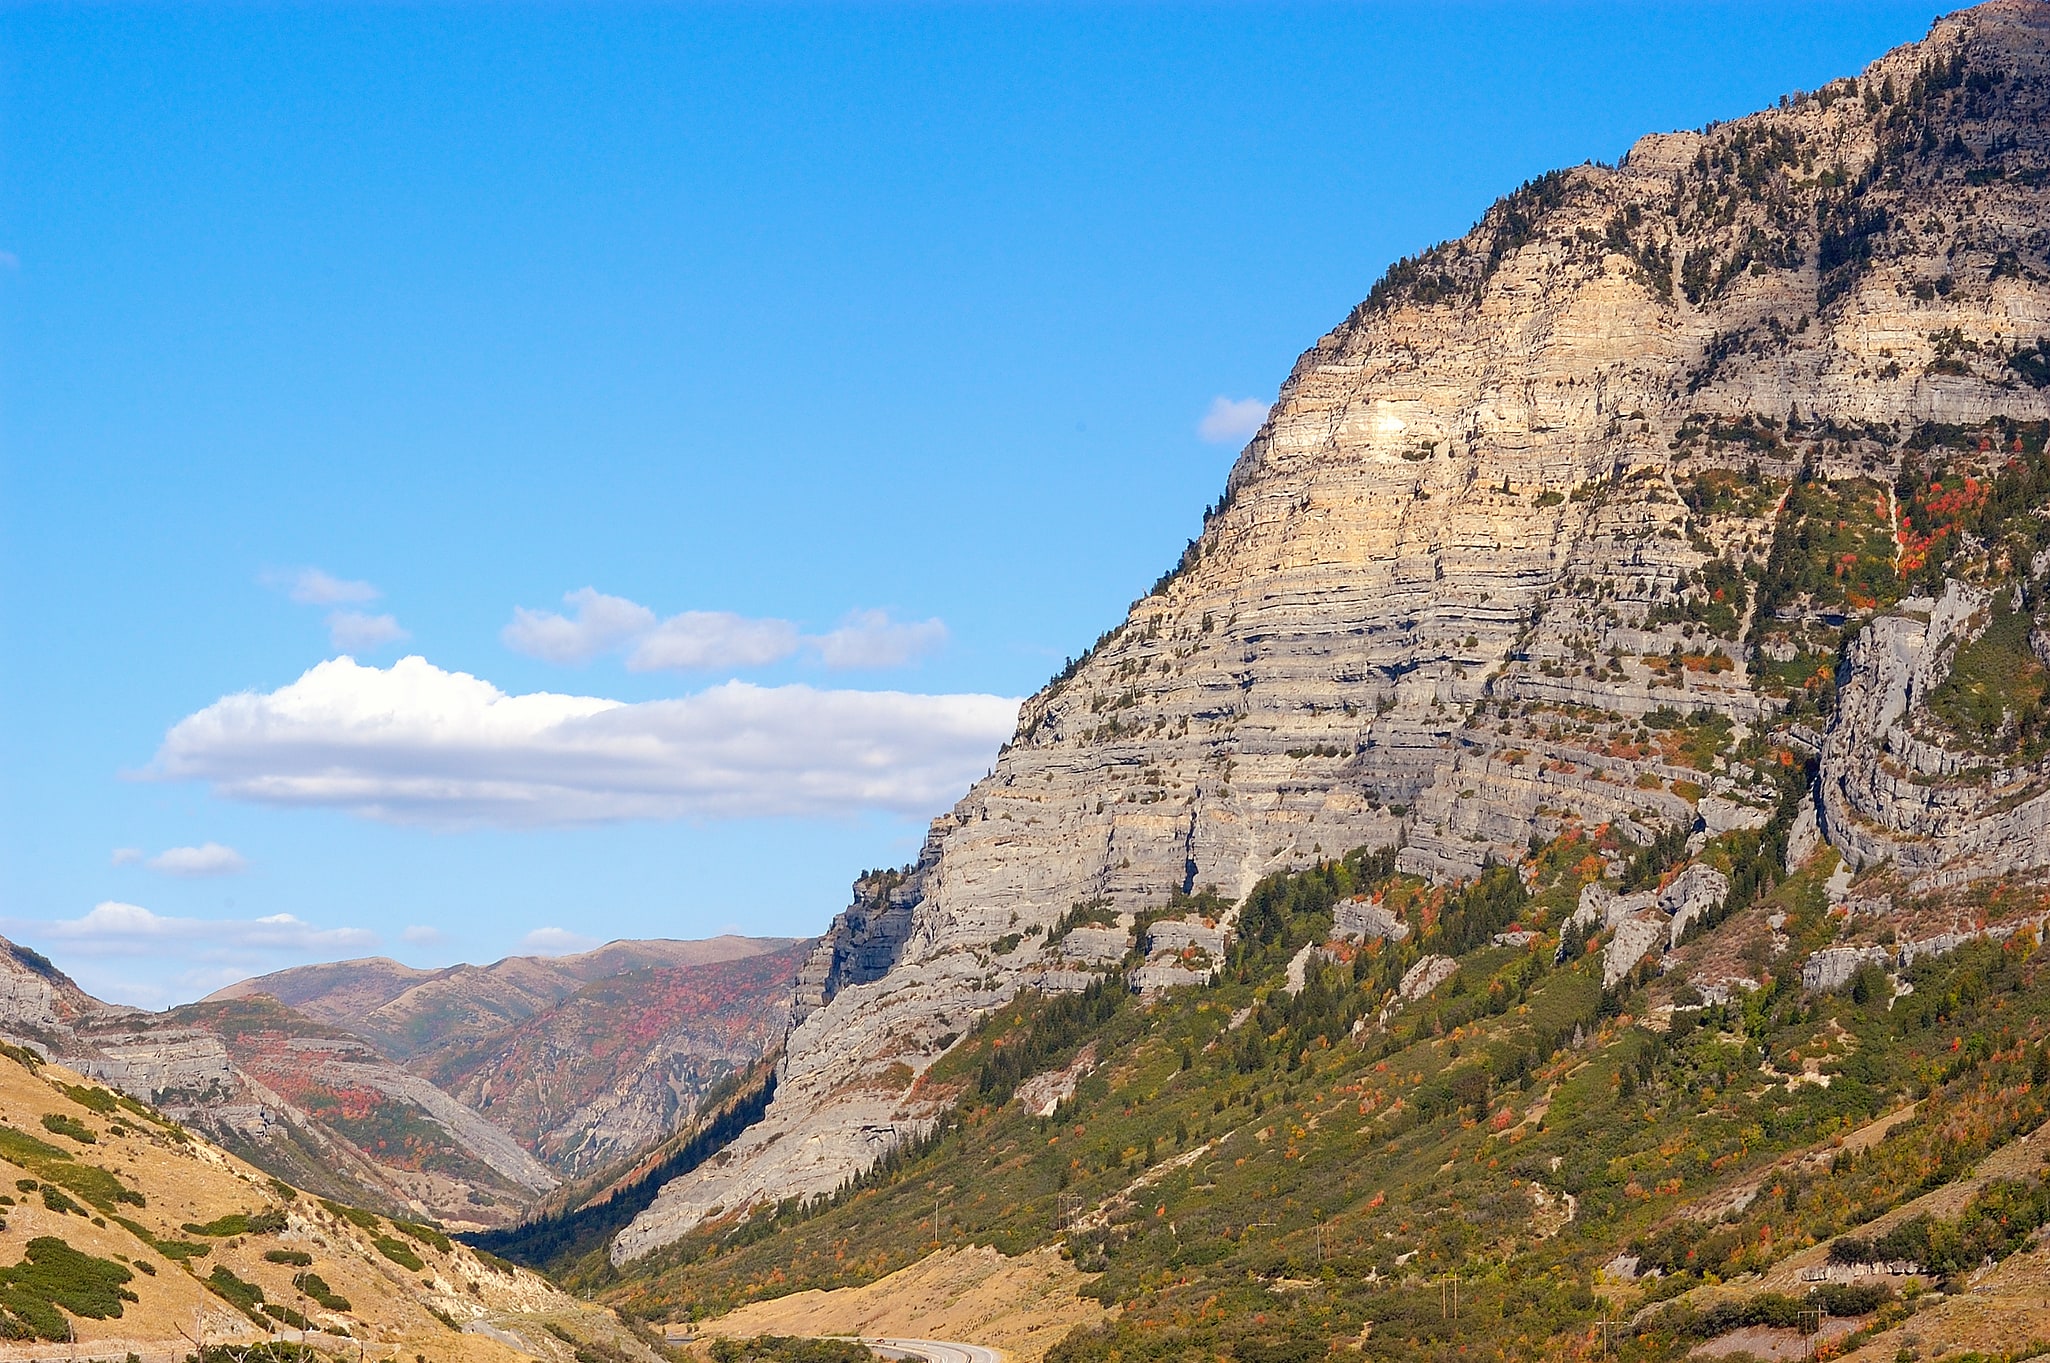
[(853, 364)]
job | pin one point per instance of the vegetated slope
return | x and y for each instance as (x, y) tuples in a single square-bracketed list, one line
[(1305, 1154), (1664, 475), (123, 1231), (300, 1099), (411, 1013), (625, 1060)]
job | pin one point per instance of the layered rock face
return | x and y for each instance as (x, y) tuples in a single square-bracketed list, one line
[(1514, 547)]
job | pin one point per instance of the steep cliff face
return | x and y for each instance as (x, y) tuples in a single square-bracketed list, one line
[(1570, 519)]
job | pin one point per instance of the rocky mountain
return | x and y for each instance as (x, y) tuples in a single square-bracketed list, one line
[(1668, 482), (125, 1234), (411, 1013), (546, 1066), (623, 1061), (584, 1059), (306, 1101)]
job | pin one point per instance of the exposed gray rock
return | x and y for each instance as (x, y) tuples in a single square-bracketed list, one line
[(1425, 976), (1464, 502), (1834, 967), (1363, 919)]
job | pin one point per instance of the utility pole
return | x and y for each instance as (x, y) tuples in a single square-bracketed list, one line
[(1807, 1314), (1607, 1326), (935, 1220)]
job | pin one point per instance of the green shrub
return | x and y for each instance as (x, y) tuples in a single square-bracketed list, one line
[(245, 1296), (297, 1258), (315, 1286), (426, 1235), (52, 1275), (399, 1252)]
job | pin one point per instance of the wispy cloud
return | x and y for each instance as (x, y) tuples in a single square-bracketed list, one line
[(113, 928), (207, 859), (601, 624), (703, 641), (414, 743), (348, 631), (355, 631), (315, 587), (1231, 419), (557, 942), (873, 639), (127, 856), (422, 935)]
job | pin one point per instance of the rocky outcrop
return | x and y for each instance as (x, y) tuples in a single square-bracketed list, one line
[(1891, 789), (1495, 564)]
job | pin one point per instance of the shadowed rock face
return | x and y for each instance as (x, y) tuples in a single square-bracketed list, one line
[(1490, 495)]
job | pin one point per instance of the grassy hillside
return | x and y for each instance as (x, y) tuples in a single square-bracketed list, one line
[(124, 1231), (1262, 1174)]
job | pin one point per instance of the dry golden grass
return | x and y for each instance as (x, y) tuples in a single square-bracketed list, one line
[(1022, 1306), (392, 1310)]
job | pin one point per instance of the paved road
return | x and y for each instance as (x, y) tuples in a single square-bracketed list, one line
[(934, 1350)]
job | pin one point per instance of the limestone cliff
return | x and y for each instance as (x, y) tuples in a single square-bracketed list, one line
[(1573, 517)]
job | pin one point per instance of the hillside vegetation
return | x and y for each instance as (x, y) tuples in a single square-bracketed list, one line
[(122, 1230), (1262, 1174)]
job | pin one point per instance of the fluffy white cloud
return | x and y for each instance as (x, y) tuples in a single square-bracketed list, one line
[(117, 929), (422, 935), (601, 623), (313, 587), (351, 630), (873, 639), (208, 859), (414, 743), (127, 856), (557, 942), (1231, 419), (697, 640)]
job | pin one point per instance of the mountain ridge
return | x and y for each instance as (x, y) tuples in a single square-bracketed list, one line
[(1593, 513)]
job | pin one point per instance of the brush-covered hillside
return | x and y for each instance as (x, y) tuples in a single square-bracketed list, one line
[(1309, 1153), (125, 1232)]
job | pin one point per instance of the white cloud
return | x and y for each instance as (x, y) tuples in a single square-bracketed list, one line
[(697, 640), (413, 743), (313, 587), (352, 630), (422, 935), (208, 859), (126, 856), (1231, 419), (557, 942), (601, 623), (117, 929), (873, 639)]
